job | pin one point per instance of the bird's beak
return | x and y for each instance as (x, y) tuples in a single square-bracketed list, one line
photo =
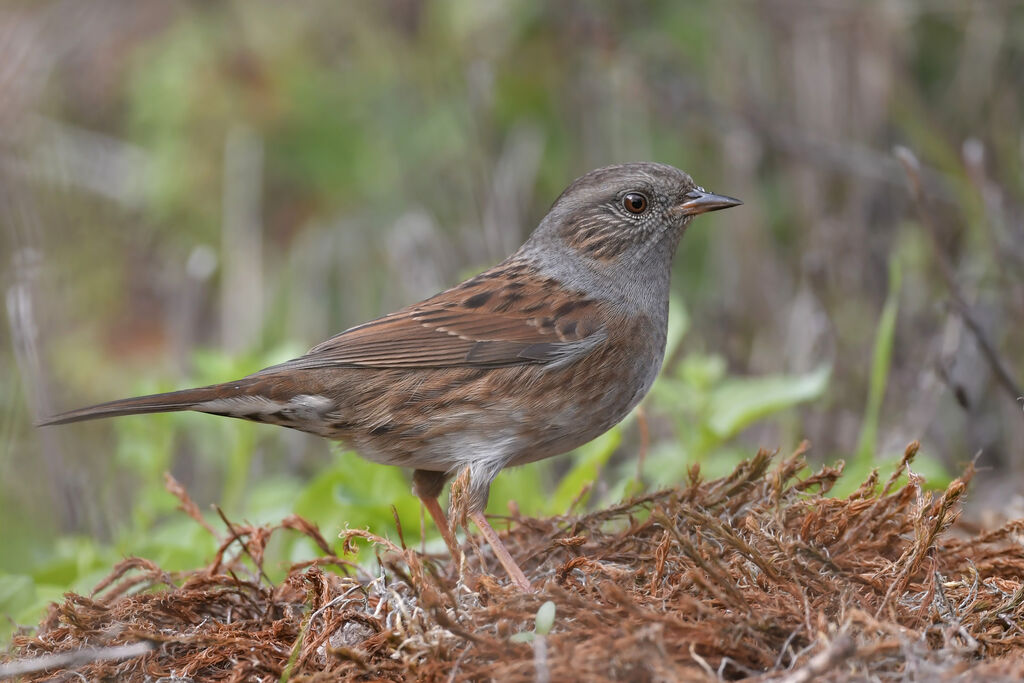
[(698, 200)]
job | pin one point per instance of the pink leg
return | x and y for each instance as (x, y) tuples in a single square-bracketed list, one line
[(501, 552), (434, 508)]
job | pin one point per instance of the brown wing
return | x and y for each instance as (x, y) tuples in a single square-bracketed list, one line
[(496, 319)]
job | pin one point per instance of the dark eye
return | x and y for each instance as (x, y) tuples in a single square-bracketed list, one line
[(634, 202)]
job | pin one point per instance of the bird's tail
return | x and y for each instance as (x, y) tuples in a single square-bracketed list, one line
[(204, 399)]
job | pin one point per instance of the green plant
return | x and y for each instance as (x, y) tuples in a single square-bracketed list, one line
[(542, 624), (865, 457), (709, 408)]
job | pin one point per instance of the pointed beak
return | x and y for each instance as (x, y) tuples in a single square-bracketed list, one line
[(698, 201)]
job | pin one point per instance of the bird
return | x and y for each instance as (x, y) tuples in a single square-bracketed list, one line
[(525, 361)]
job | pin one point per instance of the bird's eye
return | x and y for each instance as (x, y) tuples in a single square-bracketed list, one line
[(634, 202)]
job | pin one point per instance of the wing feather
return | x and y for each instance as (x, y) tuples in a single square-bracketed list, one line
[(493, 320)]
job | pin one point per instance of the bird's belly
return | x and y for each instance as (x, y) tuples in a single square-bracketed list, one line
[(587, 415)]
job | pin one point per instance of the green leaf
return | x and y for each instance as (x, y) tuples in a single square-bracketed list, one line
[(17, 591), (701, 372), (934, 472), (545, 618), (528, 486), (542, 624), (356, 493), (293, 657), (23, 602), (587, 463), (881, 359), (737, 403)]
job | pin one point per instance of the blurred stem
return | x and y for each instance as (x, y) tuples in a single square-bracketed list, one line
[(1000, 367), (881, 360)]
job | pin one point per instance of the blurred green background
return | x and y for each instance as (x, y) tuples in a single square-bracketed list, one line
[(191, 191)]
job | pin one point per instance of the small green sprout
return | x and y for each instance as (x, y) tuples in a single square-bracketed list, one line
[(541, 625)]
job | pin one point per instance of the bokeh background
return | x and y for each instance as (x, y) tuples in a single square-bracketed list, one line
[(190, 191)]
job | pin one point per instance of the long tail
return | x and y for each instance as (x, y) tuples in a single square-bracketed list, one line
[(217, 399)]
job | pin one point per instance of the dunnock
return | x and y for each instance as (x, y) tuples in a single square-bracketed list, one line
[(527, 360)]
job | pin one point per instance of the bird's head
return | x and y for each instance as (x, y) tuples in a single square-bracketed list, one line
[(622, 213)]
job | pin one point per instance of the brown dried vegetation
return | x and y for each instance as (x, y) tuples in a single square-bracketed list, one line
[(759, 574)]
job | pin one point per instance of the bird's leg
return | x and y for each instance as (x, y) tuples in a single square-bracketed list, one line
[(468, 496), (434, 508), (427, 486), (500, 551)]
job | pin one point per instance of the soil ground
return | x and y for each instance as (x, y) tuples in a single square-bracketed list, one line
[(760, 575)]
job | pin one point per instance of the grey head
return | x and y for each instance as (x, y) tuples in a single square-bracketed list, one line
[(620, 225)]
